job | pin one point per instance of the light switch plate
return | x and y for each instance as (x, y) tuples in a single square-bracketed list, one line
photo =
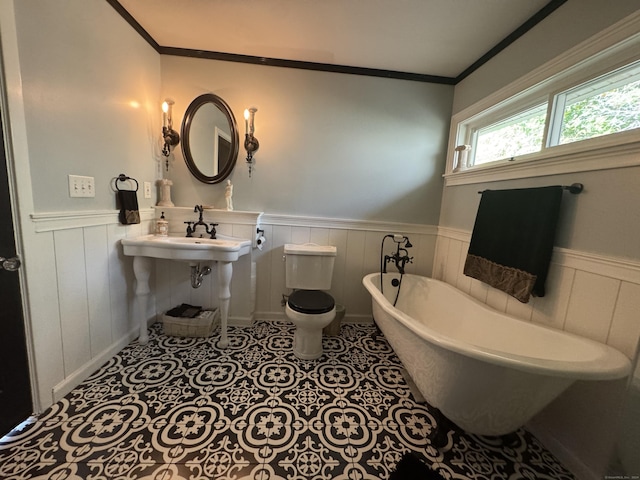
[(147, 189), (80, 186)]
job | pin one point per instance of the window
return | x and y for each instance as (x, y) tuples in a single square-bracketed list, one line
[(606, 105), (578, 112), (516, 135)]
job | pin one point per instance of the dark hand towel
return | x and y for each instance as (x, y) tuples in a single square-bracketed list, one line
[(129, 213), (185, 311), (512, 239)]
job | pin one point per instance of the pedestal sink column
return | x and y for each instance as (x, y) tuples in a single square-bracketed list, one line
[(142, 272), (225, 271)]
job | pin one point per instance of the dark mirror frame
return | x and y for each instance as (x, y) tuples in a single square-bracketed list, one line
[(186, 130)]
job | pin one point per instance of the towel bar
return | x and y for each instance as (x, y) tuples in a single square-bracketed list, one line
[(574, 188)]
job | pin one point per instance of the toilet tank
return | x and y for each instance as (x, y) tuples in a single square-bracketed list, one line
[(309, 266)]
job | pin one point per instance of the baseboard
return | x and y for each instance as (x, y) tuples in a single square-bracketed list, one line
[(81, 374), (562, 453), (240, 321)]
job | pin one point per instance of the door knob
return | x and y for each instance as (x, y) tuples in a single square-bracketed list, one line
[(10, 264)]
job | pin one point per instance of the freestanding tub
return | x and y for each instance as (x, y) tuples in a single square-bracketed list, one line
[(487, 372)]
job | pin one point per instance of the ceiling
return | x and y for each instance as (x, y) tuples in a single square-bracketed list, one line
[(425, 39)]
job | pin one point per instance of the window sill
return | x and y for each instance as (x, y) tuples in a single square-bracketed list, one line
[(598, 154)]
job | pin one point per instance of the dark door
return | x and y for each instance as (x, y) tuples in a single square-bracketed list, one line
[(15, 386)]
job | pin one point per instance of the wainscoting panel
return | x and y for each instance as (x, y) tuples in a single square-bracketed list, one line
[(81, 285), (587, 294), (74, 310), (121, 281), (80, 295), (96, 254), (358, 253), (44, 313), (600, 306)]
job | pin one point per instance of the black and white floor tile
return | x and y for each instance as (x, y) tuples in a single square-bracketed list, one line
[(181, 408)]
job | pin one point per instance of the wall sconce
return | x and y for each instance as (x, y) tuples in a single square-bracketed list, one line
[(170, 136), (251, 143)]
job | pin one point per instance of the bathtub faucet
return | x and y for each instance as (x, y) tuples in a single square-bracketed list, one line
[(210, 230), (401, 257)]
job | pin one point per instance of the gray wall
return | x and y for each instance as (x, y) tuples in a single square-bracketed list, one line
[(572, 23), (331, 145), (91, 100), (602, 219)]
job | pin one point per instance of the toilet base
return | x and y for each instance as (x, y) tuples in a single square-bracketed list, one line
[(307, 343), (307, 336)]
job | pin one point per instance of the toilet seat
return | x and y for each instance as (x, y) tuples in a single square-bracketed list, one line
[(311, 302)]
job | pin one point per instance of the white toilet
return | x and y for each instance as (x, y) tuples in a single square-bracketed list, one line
[(308, 271)]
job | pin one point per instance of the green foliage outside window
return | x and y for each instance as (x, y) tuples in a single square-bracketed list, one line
[(602, 106), (510, 139), (616, 110)]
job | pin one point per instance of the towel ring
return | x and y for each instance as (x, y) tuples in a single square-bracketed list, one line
[(123, 178)]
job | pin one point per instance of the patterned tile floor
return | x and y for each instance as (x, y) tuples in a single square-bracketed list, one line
[(181, 408)]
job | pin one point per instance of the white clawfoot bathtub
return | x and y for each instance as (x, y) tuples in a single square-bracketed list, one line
[(487, 372)]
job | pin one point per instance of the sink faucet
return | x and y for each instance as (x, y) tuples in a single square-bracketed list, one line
[(210, 228)]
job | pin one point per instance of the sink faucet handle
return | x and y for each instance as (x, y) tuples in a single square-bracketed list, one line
[(213, 230), (189, 229)]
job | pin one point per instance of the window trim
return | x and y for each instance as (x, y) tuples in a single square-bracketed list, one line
[(611, 49)]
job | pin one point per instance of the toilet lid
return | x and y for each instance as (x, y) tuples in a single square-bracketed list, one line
[(311, 301)]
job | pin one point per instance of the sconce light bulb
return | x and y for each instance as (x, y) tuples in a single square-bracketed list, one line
[(165, 111), (171, 138), (246, 121), (251, 116)]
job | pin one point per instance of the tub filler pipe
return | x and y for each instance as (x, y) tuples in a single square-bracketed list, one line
[(400, 258)]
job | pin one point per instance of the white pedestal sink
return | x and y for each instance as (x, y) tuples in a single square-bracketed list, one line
[(223, 250)]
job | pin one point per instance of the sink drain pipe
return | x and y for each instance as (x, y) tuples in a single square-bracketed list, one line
[(197, 274)]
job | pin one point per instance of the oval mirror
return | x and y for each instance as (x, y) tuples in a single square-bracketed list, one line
[(209, 138)]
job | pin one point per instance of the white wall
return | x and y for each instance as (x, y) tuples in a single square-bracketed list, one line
[(331, 145), (72, 70)]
